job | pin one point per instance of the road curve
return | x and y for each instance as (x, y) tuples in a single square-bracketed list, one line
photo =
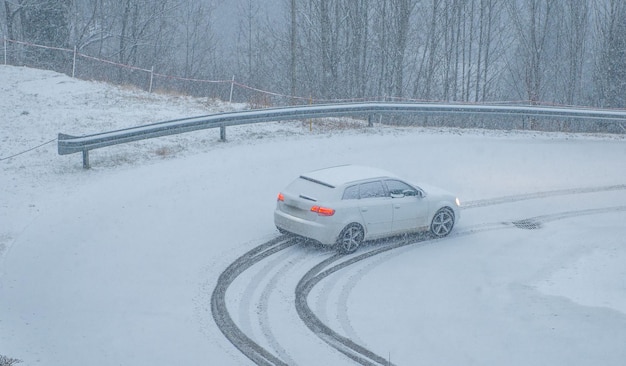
[(324, 269), (334, 263)]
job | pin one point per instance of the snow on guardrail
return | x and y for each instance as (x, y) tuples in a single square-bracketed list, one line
[(68, 144)]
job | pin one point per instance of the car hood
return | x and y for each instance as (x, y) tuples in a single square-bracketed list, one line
[(435, 191)]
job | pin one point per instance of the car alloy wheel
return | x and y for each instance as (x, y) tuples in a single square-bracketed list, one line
[(350, 238), (442, 222)]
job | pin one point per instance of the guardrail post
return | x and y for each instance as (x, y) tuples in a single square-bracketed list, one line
[(223, 133), (369, 121), (86, 159)]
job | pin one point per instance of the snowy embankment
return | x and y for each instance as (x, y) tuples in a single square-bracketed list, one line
[(115, 265)]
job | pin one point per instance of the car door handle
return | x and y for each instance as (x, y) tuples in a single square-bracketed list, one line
[(363, 209), (397, 206)]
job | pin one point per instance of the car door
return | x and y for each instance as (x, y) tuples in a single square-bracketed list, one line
[(409, 209), (375, 207)]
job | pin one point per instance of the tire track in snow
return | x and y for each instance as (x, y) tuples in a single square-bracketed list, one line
[(313, 277), (325, 268), (345, 345), (323, 299), (247, 296), (342, 314), (264, 316), (346, 289), (537, 195), (227, 326)]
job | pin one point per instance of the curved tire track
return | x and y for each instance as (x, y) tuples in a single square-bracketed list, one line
[(244, 344), (264, 317), (346, 346), (359, 353)]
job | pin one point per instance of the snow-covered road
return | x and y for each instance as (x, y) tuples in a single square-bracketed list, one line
[(257, 334), (117, 265)]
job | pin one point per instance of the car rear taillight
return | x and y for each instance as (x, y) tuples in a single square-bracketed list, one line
[(281, 197), (323, 211)]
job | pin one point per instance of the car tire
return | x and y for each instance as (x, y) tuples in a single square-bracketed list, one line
[(350, 238), (442, 223)]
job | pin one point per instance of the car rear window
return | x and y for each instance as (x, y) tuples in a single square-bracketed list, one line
[(351, 193), (310, 189)]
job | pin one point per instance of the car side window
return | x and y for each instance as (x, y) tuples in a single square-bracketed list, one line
[(371, 190), (398, 187), (351, 193)]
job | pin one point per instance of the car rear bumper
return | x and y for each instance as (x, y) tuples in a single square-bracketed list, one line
[(325, 234)]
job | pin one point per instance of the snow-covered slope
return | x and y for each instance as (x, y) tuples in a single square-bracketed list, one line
[(115, 265)]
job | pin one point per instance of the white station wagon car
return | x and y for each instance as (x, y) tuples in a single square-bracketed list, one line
[(345, 205)]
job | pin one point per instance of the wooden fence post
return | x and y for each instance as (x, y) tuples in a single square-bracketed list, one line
[(151, 77), (232, 85), (74, 63)]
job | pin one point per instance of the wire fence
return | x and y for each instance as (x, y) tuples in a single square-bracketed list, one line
[(27, 151), (77, 64), (88, 67)]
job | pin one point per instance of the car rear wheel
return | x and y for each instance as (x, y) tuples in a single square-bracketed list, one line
[(350, 239), (442, 223)]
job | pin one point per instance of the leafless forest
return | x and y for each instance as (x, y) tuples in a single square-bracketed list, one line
[(535, 51)]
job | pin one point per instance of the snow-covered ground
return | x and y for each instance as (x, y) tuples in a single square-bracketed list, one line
[(116, 264)]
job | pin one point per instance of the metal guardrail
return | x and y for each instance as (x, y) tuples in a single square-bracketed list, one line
[(68, 144)]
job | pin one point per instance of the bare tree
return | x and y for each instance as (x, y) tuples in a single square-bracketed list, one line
[(144, 31), (428, 59), (196, 35), (610, 73), (293, 46), (12, 15), (12, 11), (328, 49), (357, 42), (576, 16), (329, 26), (532, 20), (87, 25), (8, 361), (401, 11)]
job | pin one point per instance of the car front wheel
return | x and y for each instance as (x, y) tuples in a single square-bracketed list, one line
[(350, 239), (442, 223)]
